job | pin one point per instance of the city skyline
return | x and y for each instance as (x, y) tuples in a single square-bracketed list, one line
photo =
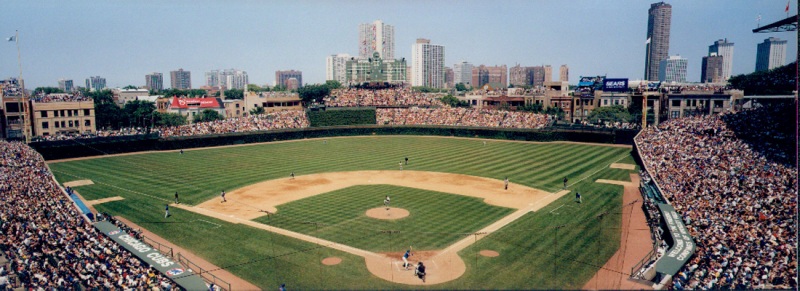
[(613, 35)]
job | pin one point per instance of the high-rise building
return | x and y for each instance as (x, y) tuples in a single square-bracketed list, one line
[(95, 83), (771, 54), (229, 79), (154, 81), (657, 45), (427, 63), (65, 85), (462, 73), (496, 76), (563, 73), (376, 37), (725, 49), (180, 79), (548, 73), (449, 81), (711, 72), (336, 67), (281, 78), (374, 70), (673, 69), (518, 76)]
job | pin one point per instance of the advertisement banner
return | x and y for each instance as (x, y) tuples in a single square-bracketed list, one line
[(164, 264), (683, 245), (615, 85)]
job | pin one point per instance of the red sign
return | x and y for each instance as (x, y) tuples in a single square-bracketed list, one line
[(187, 103)]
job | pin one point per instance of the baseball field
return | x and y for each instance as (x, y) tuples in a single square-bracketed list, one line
[(448, 204)]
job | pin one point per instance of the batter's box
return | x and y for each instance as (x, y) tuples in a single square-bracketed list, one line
[(553, 212)]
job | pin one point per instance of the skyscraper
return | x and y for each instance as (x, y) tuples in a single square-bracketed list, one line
[(95, 83), (724, 49), (282, 78), (495, 76), (154, 81), (229, 79), (770, 54), (449, 77), (563, 73), (376, 37), (427, 64), (673, 69), (657, 45), (65, 85), (180, 79), (462, 73), (548, 73), (711, 72), (336, 67)]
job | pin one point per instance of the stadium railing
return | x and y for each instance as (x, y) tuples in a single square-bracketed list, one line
[(164, 249), (204, 273)]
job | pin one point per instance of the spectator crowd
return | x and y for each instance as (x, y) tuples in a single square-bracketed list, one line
[(460, 117), (47, 241), (353, 97), (268, 121), (60, 97), (738, 203)]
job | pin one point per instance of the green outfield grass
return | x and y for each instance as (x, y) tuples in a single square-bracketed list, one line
[(436, 219), (534, 253)]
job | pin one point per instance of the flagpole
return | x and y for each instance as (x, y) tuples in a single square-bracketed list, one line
[(26, 116)]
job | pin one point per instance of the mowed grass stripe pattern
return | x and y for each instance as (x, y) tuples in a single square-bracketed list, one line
[(268, 260), (436, 219)]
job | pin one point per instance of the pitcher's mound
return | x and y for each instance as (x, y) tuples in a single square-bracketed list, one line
[(392, 213), (488, 253), (330, 261)]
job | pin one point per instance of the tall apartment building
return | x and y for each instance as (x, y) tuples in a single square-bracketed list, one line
[(657, 45), (281, 78), (711, 72), (518, 76), (462, 73), (154, 81), (376, 37), (95, 83), (725, 49), (66, 85), (563, 73), (427, 64), (495, 76), (449, 77), (770, 54), (548, 73), (673, 69), (229, 79), (181, 79), (336, 67)]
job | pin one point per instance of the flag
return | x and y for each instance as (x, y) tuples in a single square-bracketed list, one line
[(787, 6), (758, 18), (12, 38), (648, 41)]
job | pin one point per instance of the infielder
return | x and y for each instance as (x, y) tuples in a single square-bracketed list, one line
[(506, 183), (223, 196), (405, 259), (386, 202), (166, 208), (401, 166), (420, 271), (565, 183)]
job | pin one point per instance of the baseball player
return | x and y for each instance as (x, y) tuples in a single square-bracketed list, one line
[(506, 183), (565, 183), (176, 198), (578, 197), (181, 151), (292, 175), (401, 166), (386, 202), (166, 209), (405, 259), (223, 196), (406, 160)]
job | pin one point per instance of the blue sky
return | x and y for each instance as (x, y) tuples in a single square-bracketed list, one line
[(124, 40)]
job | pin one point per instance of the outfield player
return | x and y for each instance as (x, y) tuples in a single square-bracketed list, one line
[(405, 259), (166, 208), (176, 198), (406, 160), (506, 183), (565, 183), (386, 202), (223, 196), (578, 197), (401, 166)]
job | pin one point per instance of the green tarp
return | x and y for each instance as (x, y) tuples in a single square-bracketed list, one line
[(682, 247), (164, 264)]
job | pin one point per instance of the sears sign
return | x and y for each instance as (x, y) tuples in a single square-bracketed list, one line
[(615, 85)]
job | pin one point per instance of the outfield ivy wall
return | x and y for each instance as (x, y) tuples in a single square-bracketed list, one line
[(100, 146), (341, 117)]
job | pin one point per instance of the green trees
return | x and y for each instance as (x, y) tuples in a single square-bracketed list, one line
[(453, 101), (207, 115), (535, 108), (47, 90), (616, 113), (461, 87), (170, 119), (233, 94), (257, 111), (315, 92)]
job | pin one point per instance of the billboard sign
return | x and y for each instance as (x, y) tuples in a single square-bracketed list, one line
[(615, 85)]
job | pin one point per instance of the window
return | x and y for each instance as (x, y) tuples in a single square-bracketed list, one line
[(45, 125), (75, 112), (56, 124), (63, 124), (71, 124), (87, 122), (87, 112), (577, 102), (616, 102), (44, 113), (55, 113), (63, 114), (676, 103), (675, 114), (605, 101)]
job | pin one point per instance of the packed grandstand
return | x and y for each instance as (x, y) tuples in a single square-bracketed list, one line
[(734, 181)]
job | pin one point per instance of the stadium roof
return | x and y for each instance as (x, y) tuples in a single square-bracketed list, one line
[(788, 24)]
